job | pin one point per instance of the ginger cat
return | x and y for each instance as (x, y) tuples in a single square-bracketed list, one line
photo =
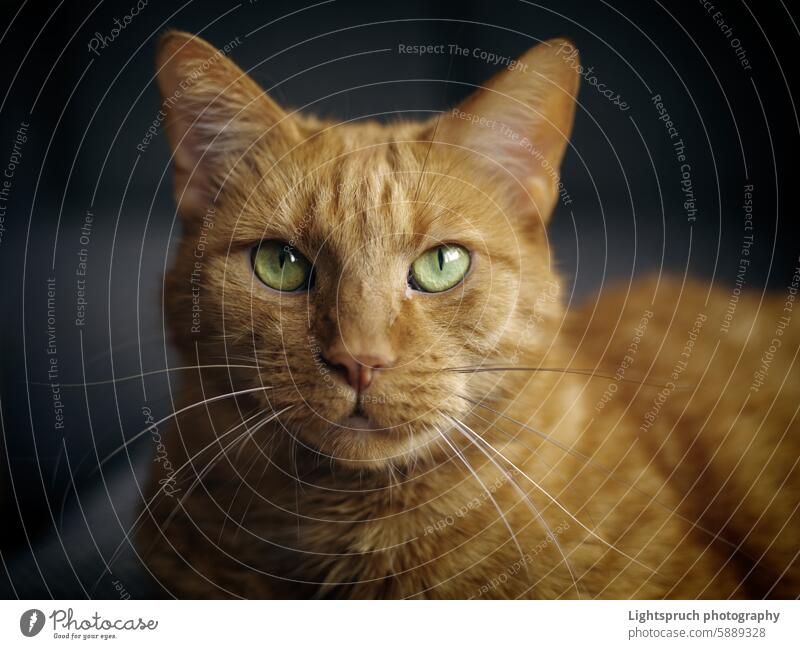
[(387, 398)]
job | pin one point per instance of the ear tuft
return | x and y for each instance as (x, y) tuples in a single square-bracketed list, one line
[(518, 124), (214, 113)]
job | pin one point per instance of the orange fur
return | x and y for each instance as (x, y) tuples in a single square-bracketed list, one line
[(700, 502)]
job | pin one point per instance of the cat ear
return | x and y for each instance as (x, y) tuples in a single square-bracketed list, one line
[(518, 124), (212, 113)]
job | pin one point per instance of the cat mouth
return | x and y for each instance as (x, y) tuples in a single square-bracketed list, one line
[(357, 421), (360, 440)]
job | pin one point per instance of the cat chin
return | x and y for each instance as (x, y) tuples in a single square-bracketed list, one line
[(360, 444)]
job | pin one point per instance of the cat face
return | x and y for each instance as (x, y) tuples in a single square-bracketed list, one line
[(362, 267)]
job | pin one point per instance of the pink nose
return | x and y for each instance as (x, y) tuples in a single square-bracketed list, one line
[(358, 371)]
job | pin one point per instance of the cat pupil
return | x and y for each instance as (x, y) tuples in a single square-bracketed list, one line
[(441, 259)]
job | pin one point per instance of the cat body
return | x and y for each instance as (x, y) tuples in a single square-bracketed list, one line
[(364, 438)]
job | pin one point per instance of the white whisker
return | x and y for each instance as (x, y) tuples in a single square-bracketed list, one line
[(463, 428), (130, 377), (176, 413), (488, 493), (565, 510), (241, 438), (158, 493), (588, 462)]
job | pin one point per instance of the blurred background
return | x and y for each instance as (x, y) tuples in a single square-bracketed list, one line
[(78, 97)]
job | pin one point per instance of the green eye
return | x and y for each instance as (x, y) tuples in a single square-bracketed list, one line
[(281, 267), (439, 268)]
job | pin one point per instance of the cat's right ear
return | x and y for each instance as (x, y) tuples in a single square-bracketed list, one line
[(213, 113), (517, 125)]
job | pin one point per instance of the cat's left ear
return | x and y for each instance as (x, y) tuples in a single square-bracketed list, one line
[(214, 112), (517, 125)]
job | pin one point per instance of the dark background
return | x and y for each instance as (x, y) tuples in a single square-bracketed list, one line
[(62, 519)]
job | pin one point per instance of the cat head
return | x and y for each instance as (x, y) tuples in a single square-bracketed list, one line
[(363, 266)]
